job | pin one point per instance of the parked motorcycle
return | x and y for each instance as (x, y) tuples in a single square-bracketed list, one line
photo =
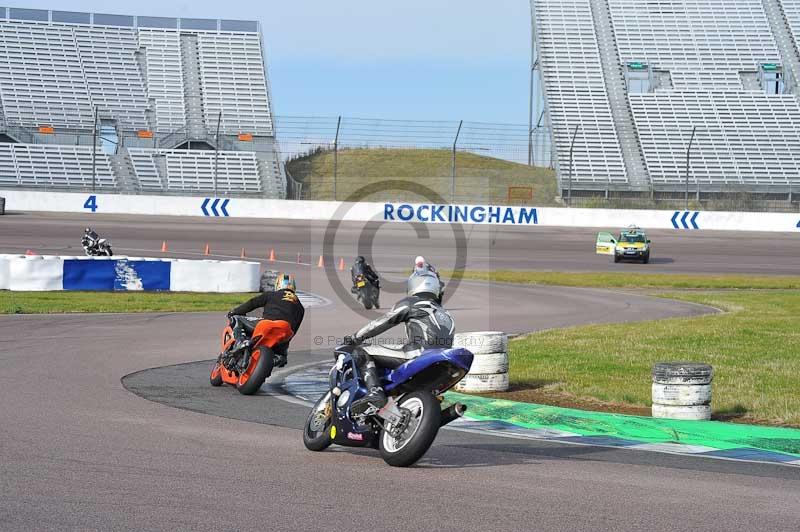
[(246, 359), (94, 246), (405, 428), (367, 293)]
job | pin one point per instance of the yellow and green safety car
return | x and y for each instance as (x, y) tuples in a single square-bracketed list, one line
[(632, 244)]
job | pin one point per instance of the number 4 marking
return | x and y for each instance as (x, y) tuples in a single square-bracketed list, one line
[(91, 203)]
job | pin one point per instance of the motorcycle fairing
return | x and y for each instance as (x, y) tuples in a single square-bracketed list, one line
[(434, 370)]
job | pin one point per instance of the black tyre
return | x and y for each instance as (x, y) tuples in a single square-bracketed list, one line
[(646, 258), (251, 380), (317, 430), (616, 258), (415, 441), (216, 376)]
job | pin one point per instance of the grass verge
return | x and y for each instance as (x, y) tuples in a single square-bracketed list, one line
[(754, 347), (64, 302), (639, 280)]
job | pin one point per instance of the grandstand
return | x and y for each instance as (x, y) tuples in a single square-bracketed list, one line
[(135, 104), (634, 78)]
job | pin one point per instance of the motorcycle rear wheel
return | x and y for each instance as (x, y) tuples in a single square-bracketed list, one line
[(317, 430), (260, 367), (417, 438)]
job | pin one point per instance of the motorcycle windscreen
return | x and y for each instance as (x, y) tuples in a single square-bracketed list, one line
[(605, 244)]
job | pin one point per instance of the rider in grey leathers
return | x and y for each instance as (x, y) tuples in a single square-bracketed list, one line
[(427, 323)]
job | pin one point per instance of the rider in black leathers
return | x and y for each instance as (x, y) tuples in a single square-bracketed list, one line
[(280, 305), (90, 238), (427, 323), (362, 267)]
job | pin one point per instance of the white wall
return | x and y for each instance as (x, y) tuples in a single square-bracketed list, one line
[(328, 210), (214, 276), (46, 272)]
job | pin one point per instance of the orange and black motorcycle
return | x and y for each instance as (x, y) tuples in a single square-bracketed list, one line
[(247, 358)]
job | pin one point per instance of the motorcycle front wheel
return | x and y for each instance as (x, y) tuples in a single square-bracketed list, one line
[(216, 375), (423, 417), (317, 430)]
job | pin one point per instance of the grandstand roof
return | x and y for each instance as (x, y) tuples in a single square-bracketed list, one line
[(128, 21)]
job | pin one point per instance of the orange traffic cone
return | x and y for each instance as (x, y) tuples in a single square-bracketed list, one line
[(272, 255), (30, 252), (341, 263), (320, 262), (207, 251), (243, 255), (164, 246)]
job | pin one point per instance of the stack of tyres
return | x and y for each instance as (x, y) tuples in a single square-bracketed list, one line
[(489, 371), (682, 390)]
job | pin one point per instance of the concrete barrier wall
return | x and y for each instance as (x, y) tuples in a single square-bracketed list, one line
[(36, 273), (45, 273), (398, 212), (214, 276)]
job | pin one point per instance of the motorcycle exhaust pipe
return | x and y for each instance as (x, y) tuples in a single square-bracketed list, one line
[(452, 413)]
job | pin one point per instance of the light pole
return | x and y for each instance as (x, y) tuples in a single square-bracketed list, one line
[(453, 176), (94, 150), (569, 181), (216, 152), (688, 149), (336, 155)]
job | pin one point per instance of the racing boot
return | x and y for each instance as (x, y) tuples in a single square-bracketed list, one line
[(280, 360), (375, 397)]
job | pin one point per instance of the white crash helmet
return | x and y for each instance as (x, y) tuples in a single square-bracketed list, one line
[(423, 283)]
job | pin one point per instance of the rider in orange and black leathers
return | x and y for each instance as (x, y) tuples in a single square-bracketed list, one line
[(282, 307)]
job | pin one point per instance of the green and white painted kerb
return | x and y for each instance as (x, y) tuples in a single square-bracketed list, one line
[(712, 439)]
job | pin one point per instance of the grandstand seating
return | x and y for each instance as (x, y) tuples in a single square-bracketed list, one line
[(705, 58), (232, 72), (155, 82), (576, 92), (742, 138), (703, 43), (53, 167), (164, 76)]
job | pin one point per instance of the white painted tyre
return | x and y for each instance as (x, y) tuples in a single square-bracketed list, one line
[(698, 412), (483, 383), (681, 394), (489, 364), (483, 342), (682, 373)]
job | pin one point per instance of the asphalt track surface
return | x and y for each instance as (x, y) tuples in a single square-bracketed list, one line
[(79, 451)]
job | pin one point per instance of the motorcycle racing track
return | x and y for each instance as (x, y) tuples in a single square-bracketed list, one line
[(80, 451)]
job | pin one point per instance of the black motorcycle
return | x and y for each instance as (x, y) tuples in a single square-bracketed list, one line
[(367, 293), (94, 246)]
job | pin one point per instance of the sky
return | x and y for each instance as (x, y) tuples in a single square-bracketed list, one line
[(416, 59)]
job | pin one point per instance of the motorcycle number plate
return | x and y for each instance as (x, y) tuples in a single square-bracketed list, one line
[(361, 284)]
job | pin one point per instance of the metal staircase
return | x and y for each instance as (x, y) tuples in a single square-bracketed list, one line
[(124, 172), (192, 90), (786, 45), (635, 166)]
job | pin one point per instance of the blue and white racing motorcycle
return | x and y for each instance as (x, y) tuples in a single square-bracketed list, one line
[(405, 428)]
